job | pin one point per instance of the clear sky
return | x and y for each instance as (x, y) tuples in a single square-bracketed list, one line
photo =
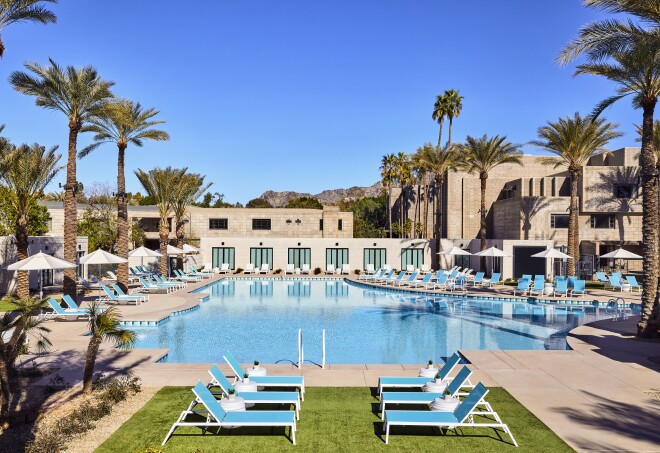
[(306, 95)]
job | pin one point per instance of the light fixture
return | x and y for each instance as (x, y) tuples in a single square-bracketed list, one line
[(374, 244), (298, 244), (222, 243), (288, 221), (336, 244), (261, 243), (298, 221)]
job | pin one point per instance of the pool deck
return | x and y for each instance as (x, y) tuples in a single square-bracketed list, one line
[(596, 396)]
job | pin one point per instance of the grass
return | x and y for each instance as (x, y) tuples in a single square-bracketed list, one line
[(331, 419), (5, 305)]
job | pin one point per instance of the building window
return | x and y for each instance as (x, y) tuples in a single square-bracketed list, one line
[(259, 256), (600, 221), (376, 257), (336, 257), (223, 255), (261, 224), (321, 224), (414, 257), (218, 224), (340, 224), (558, 220), (300, 256), (624, 190)]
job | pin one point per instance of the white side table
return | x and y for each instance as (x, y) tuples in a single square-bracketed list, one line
[(428, 372), (625, 287), (261, 371), (548, 290), (445, 405), (236, 404), (241, 386), (433, 387)]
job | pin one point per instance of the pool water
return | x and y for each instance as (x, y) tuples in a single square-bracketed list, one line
[(259, 320)]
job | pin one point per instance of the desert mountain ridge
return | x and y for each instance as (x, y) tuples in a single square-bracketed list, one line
[(280, 199)]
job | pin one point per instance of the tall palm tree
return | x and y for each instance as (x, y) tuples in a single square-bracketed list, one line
[(188, 189), (161, 184), (14, 11), (404, 177), (81, 94), (15, 329), (421, 160), (388, 177), (104, 325), (574, 141), (454, 103), (481, 155), (122, 123), (439, 114), (656, 140), (628, 54), (27, 170)]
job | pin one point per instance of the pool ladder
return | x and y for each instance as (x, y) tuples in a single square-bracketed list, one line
[(301, 349)]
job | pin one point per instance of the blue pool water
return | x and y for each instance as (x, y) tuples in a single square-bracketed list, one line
[(259, 320)]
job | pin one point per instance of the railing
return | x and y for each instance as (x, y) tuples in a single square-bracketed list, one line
[(301, 349)]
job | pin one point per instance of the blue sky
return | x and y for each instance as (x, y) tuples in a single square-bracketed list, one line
[(306, 96)]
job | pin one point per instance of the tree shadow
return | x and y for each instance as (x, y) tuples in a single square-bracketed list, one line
[(529, 208), (605, 199)]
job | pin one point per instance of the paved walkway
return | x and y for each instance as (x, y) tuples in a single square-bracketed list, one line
[(596, 397)]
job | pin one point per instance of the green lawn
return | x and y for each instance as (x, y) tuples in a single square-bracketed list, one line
[(5, 305), (331, 419)]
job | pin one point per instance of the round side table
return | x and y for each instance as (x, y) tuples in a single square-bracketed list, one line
[(241, 386), (232, 405), (445, 405), (433, 387), (428, 372), (261, 371)]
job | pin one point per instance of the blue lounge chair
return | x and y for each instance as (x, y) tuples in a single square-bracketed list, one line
[(460, 417), (617, 275), (267, 381), (523, 286), (216, 417), (218, 379), (601, 277), (66, 313), (571, 281), (161, 280), (398, 278), (387, 277), (150, 286), (423, 282), (120, 292), (440, 281), (561, 288), (179, 275), (615, 283), (538, 287), (579, 288), (632, 281), (121, 299), (411, 279), (478, 278), (417, 382), (459, 284), (493, 280), (73, 305), (461, 379), (527, 276)]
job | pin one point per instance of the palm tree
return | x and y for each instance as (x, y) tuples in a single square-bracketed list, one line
[(188, 189), (104, 325), (81, 94), (403, 177), (161, 185), (481, 155), (123, 122), (421, 164), (656, 140), (15, 329), (388, 177), (27, 170), (439, 162), (439, 114), (14, 11), (628, 54), (574, 140), (454, 104)]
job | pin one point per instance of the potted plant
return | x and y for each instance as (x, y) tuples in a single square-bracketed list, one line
[(447, 394), (232, 394), (256, 365), (438, 379), (246, 378), (430, 364)]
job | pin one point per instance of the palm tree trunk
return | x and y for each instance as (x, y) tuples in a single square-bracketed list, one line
[(426, 205), (122, 220), (451, 123), (163, 234), (90, 362), (5, 393), (389, 208), (71, 212), (573, 225), (401, 211), (21, 233), (180, 235), (437, 224), (649, 322), (482, 211), (442, 120)]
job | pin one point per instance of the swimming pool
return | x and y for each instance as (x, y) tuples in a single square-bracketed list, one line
[(258, 319)]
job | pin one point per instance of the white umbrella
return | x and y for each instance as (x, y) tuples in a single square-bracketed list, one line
[(190, 249), (143, 252), (621, 254), (171, 250), (493, 252), (38, 262), (101, 257), (454, 251), (553, 254)]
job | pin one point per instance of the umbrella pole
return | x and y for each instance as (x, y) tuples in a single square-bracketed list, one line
[(41, 287)]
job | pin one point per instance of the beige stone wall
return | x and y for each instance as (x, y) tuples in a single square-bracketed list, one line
[(598, 189)]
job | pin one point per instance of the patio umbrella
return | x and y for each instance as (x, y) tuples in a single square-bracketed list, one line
[(190, 249), (100, 257), (493, 252), (552, 254), (621, 254), (454, 251), (39, 262), (171, 250), (143, 252)]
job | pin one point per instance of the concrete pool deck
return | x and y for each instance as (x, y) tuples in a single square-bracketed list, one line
[(597, 397)]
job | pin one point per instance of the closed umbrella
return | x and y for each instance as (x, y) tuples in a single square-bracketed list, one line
[(621, 254), (39, 262), (100, 257), (493, 252), (551, 254)]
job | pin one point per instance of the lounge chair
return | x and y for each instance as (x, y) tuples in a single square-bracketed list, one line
[(329, 269), (561, 287), (121, 299), (224, 268), (425, 269), (369, 272), (571, 281), (632, 281), (462, 379), (458, 285), (538, 287), (150, 286), (398, 278), (492, 281), (423, 282), (478, 279), (66, 313), (144, 270), (290, 269), (161, 280), (111, 276), (384, 278), (120, 292), (440, 281), (345, 269), (417, 382), (578, 288), (68, 300), (615, 283), (462, 416), (410, 268), (600, 276), (264, 269), (179, 275), (267, 381), (218, 379), (409, 281), (305, 269), (249, 268), (216, 417), (201, 275), (523, 286)]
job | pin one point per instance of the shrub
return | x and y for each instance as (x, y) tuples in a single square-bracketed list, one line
[(239, 271), (317, 271), (356, 271), (151, 450), (278, 271)]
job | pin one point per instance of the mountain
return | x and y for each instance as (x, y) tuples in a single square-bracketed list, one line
[(280, 199)]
